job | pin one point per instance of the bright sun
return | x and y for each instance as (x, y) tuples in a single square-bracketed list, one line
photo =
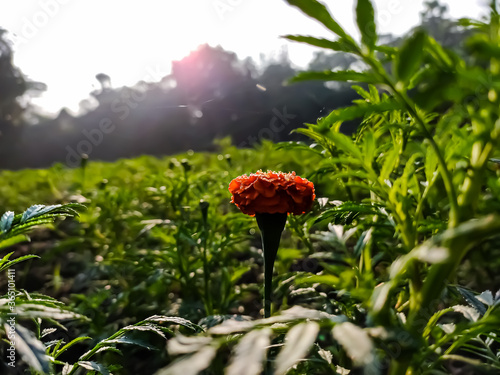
[(66, 43)]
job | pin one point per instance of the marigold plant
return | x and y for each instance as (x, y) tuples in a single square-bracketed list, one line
[(272, 192)]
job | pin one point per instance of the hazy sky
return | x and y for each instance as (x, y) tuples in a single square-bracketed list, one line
[(65, 43)]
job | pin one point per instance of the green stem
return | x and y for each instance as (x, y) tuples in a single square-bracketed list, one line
[(271, 226), (206, 276), (206, 272)]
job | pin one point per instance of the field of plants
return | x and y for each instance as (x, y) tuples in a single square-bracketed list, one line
[(144, 266)]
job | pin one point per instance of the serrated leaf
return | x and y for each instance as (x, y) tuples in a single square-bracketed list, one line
[(347, 211), (48, 331), (341, 76), (191, 365), (31, 349), (472, 300), (6, 221), (487, 298), (129, 341), (175, 320), (447, 328), (181, 344), (91, 365), (356, 342), (16, 261), (410, 56), (345, 143), (358, 111), (231, 326), (298, 342), (146, 328), (365, 18), (318, 11), (250, 353), (6, 258), (468, 312), (39, 309), (30, 212), (67, 369), (109, 348)]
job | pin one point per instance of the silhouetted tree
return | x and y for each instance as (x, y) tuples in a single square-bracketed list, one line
[(12, 86)]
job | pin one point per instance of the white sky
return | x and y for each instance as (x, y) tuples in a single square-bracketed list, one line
[(65, 43)]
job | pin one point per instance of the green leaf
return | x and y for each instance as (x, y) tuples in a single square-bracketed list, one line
[(181, 344), (345, 143), (174, 320), (330, 280), (342, 76), (487, 298), (390, 162), (481, 45), (6, 221), (341, 45), (67, 369), (147, 328), (32, 350), (31, 212), (15, 261), (11, 241), (410, 56), (70, 344), (129, 341), (191, 365), (40, 309), (356, 342), (358, 111), (238, 272), (318, 11), (6, 258), (347, 212), (439, 53), (250, 353), (472, 300), (470, 313), (426, 253), (365, 18), (110, 349), (91, 365), (363, 240), (298, 342)]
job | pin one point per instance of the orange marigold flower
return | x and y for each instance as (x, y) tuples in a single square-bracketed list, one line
[(272, 192)]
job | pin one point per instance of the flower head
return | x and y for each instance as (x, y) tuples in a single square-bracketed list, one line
[(272, 192)]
